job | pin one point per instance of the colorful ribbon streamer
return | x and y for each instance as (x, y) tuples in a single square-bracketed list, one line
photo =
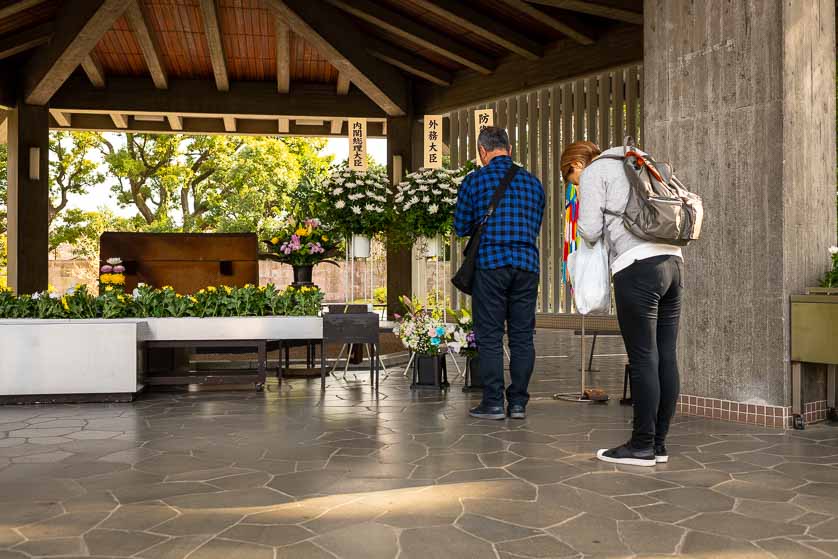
[(571, 216)]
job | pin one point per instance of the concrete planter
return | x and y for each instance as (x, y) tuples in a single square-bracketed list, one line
[(62, 357), (234, 328)]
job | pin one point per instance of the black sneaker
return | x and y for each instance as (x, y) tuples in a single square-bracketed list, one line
[(661, 455), (517, 411), (487, 412), (627, 455)]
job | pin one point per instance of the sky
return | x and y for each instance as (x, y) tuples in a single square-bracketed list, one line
[(101, 196)]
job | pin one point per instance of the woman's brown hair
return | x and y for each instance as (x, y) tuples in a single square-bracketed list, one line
[(583, 151)]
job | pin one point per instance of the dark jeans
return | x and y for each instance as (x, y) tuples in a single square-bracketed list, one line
[(648, 297), (505, 297)]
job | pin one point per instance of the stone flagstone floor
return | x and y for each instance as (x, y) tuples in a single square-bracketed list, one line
[(293, 474)]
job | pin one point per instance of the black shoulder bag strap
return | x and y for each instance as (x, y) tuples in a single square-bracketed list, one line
[(464, 278)]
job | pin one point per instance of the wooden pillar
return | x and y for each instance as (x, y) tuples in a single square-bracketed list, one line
[(28, 198), (403, 135)]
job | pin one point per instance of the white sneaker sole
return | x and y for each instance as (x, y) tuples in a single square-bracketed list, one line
[(661, 459), (625, 461)]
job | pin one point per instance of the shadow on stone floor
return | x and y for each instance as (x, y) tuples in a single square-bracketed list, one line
[(295, 473)]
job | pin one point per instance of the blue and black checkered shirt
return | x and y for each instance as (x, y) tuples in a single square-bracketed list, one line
[(511, 235)]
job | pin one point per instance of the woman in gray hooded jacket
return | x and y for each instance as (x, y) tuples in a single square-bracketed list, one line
[(648, 283)]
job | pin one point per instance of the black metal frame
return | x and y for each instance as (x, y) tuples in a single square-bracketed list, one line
[(352, 328)]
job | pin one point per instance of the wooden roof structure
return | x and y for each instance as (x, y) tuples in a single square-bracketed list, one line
[(298, 67)]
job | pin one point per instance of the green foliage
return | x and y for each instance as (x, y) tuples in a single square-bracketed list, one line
[(146, 301), (831, 277), (379, 295), (71, 170)]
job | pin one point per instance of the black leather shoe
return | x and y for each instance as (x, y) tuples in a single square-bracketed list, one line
[(627, 455), (661, 455), (517, 411), (487, 412)]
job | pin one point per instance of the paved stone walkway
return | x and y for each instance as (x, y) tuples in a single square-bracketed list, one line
[(291, 474)]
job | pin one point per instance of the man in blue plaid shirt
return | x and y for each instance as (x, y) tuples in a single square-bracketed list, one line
[(506, 281)]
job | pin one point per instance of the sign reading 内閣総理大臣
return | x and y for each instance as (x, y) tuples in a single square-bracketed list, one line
[(357, 144)]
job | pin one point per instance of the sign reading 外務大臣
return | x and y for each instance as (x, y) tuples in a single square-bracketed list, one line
[(433, 142), (483, 118), (357, 144)]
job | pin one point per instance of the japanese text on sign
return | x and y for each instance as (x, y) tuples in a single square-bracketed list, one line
[(433, 142), (483, 118), (358, 144)]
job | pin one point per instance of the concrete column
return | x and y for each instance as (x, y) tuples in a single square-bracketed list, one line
[(740, 97), (28, 203), (403, 136)]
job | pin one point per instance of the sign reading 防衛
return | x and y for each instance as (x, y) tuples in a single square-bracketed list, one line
[(483, 118), (433, 141), (357, 144)]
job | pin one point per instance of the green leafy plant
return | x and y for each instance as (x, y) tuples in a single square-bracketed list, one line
[(831, 277)]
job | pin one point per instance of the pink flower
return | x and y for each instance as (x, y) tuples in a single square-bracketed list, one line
[(313, 223), (119, 269), (295, 242), (315, 248), (107, 269)]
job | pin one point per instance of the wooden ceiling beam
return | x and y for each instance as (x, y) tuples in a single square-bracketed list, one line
[(78, 27), (25, 40), (410, 30), (622, 46), (337, 126), (594, 9), (283, 56), (175, 122), (343, 84), (478, 23), (575, 29), (119, 120), (95, 72), (317, 23), (212, 30), (229, 124), (409, 62), (214, 126), (283, 125), (63, 119), (201, 98), (8, 8), (4, 127), (148, 43)]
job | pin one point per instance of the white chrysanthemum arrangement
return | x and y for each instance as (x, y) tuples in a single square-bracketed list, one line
[(425, 202), (360, 201)]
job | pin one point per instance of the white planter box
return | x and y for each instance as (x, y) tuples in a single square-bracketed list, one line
[(46, 357), (233, 328)]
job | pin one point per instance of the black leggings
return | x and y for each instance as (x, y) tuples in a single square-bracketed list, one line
[(648, 295)]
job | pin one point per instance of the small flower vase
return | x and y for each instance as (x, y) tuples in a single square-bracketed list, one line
[(360, 246), (431, 247), (474, 381), (429, 371), (302, 276)]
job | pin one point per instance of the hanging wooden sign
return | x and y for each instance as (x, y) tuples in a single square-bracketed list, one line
[(433, 141), (357, 144), (483, 118)]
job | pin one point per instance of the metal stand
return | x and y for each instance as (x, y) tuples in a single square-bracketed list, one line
[(580, 396)]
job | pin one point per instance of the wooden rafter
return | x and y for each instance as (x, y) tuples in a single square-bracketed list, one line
[(63, 119), (78, 27), (8, 8), (119, 120), (216, 47), (200, 98), (413, 31), (283, 125), (337, 126), (148, 43), (175, 122), (95, 72), (316, 23), (576, 31), (478, 23), (594, 9), (283, 56), (24, 40), (229, 124), (409, 62), (4, 127), (343, 84)]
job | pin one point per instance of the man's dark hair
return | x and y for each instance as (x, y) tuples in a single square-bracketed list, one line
[(493, 138)]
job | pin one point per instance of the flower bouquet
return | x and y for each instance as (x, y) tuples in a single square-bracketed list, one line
[(359, 201), (112, 275), (422, 330), (463, 339), (302, 244), (831, 277), (425, 202)]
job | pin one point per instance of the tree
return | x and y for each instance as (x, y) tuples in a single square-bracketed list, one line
[(81, 230), (72, 171)]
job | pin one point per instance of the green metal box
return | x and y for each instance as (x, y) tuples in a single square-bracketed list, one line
[(814, 327)]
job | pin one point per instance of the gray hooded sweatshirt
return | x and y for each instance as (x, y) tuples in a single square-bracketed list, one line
[(604, 186)]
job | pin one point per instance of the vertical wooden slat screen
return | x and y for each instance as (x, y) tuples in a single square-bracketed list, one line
[(602, 108)]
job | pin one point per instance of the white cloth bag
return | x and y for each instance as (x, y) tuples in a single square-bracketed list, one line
[(588, 267)]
